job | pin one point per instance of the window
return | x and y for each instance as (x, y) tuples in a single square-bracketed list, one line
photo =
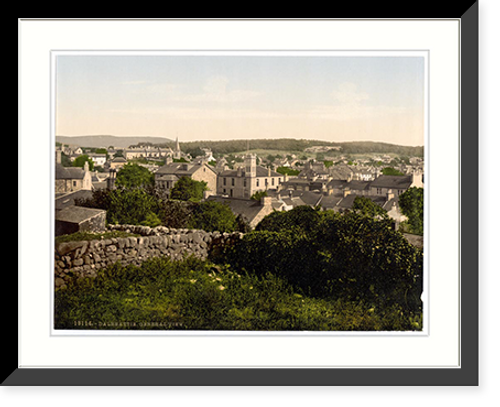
[(272, 181), (232, 182), (224, 182), (257, 182)]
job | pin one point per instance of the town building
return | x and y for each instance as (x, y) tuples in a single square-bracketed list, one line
[(70, 179), (98, 158), (117, 163), (167, 176), (251, 211), (245, 181), (147, 152)]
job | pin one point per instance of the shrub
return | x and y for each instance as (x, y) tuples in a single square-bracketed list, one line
[(213, 216), (352, 256)]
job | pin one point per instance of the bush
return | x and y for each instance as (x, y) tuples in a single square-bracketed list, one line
[(213, 216), (187, 189), (304, 218), (134, 176), (352, 257)]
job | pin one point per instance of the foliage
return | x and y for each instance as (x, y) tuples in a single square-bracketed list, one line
[(188, 189), (101, 151), (412, 206), (142, 206), (287, 171), (325, 254), (213, 216), (134, 176), (366, 206), (258, 195), (197, 295), (176, 214), (391, 171), (301, 217), (131, 206), (81, 160), (125, 206), (65, 160)]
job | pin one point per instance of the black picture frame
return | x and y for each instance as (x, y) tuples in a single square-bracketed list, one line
[(466, 375)]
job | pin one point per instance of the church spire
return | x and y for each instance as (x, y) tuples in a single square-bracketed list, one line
[(177, 152)]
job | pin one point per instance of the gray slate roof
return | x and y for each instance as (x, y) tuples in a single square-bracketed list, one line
[(69, 172), (392, 181), (77, 214)]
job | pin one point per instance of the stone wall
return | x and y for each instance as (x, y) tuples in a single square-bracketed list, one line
[(85, 258)]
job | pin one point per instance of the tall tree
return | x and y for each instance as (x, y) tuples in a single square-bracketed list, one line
[(412, 206), (188, 189), (134, 176)]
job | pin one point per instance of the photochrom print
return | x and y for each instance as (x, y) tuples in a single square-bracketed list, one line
[(239, 191)]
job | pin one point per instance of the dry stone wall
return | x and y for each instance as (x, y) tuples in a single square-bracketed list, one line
[(85, 258)]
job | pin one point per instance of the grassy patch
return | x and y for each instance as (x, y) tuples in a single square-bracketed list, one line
[(193, 294)]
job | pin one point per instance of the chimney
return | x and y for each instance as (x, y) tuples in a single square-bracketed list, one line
[(110, 182), (58, 155), (268, 171), (266, 201), (416, 179), (347, 191)]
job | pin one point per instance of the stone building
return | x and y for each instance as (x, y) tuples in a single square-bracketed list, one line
[(244, 181), (167, 176), (69, 179)]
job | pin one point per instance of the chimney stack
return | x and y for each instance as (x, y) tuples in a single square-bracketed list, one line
[(110, 182), (266, 201)]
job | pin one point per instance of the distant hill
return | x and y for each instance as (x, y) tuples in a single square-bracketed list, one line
[(106, 141), (298, 145)]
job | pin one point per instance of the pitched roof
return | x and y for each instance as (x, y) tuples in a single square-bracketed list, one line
[(181, 169), (69, 172), (311, 198), (68, 199), (392, 181), (348, 201), (77, 214), (248, 208), (359, 185)]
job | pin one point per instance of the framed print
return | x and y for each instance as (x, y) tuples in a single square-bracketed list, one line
[(279, 208)]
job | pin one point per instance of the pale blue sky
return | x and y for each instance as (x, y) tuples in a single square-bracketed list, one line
[(230, 97)]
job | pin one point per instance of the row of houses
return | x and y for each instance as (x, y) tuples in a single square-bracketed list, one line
[(236, 187), (332, 188)]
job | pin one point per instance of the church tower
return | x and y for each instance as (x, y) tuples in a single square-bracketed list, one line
[(250, 165)]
